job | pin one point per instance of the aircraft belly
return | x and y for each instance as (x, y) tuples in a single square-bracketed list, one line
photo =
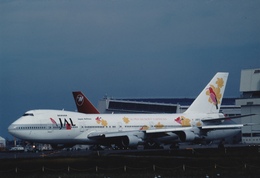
[(82, 137), (44, 136)]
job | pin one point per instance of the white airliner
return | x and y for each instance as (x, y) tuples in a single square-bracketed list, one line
[(201, 121)]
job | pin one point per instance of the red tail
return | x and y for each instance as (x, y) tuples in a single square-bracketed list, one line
[(83, 104)]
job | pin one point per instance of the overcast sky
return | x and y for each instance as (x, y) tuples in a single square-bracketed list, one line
[(120, 48)]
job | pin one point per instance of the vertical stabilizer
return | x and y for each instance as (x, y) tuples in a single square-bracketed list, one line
[(83, 104), (209, 100)]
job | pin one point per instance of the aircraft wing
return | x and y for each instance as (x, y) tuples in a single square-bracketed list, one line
[(137, 132), (155, 133), (203, 127), (96, 135), (151, 131), (228, 126)]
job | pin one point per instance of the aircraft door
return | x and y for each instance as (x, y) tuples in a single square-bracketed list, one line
[(50, 128), (82, 127), (151, 124), (120, 127)]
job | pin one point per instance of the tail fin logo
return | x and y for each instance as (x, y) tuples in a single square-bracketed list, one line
[(80, 100), (214, 92)]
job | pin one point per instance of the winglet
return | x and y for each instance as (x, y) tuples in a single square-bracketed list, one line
[(83, 104), (209, 100)]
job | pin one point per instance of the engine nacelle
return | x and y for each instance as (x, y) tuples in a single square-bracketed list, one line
[(220, 134), (131, 141), (187, 136), (171, 137)]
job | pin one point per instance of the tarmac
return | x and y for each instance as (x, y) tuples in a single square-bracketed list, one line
[(193, 161)]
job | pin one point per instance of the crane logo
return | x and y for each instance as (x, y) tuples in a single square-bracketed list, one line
[(80, 100), (214, 92), (185, 122)]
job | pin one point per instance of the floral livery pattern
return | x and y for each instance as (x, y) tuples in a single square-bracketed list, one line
[(127, 121), (214, 92), (185, 122), (145, 127), (101, 121), (159, 126)]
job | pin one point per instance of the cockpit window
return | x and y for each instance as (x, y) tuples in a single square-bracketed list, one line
[(28, 114)]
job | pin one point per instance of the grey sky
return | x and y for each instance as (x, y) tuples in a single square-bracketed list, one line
[(120, 48)]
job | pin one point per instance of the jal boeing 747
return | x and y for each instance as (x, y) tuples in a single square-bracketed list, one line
[(201, 121)]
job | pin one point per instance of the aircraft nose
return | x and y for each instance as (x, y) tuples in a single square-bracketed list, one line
[(11, 129)]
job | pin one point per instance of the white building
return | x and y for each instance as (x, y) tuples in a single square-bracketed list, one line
[(2, 143), (250, 104)]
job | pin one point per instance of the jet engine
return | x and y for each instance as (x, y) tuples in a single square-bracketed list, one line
[(131, 141), (220, 134), (187, 136)]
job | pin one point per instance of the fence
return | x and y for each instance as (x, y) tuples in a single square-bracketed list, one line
[(125, 168)]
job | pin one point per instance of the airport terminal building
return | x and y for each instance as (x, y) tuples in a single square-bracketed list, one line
[(250, 104), (247, 103), (159, 105)]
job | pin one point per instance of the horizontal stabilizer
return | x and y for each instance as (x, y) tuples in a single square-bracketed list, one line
[(225, 118), (222, 126), (228, 126)]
